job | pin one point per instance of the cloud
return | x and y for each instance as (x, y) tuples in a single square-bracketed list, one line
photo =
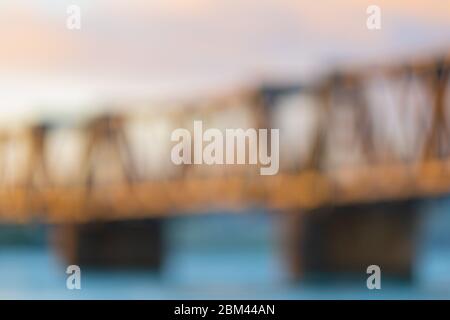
[(174, 38)]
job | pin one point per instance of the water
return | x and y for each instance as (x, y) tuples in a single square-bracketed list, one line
[(205, 262)]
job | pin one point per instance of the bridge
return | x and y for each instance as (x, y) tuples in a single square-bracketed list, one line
[(360, 136)]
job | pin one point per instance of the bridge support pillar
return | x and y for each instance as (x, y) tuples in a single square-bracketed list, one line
[(344, 241), (114, 244)]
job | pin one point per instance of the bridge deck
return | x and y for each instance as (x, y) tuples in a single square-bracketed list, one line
[(285, 192)]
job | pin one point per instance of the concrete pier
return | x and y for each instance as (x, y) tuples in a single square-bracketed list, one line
[(112, 244), (344, 241)]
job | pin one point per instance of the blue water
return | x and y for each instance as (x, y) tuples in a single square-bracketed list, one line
[(205, 262)]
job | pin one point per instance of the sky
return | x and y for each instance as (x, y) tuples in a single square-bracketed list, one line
[(176, 47)]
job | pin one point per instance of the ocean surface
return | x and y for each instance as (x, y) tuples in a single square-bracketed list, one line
[(220, 256)]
